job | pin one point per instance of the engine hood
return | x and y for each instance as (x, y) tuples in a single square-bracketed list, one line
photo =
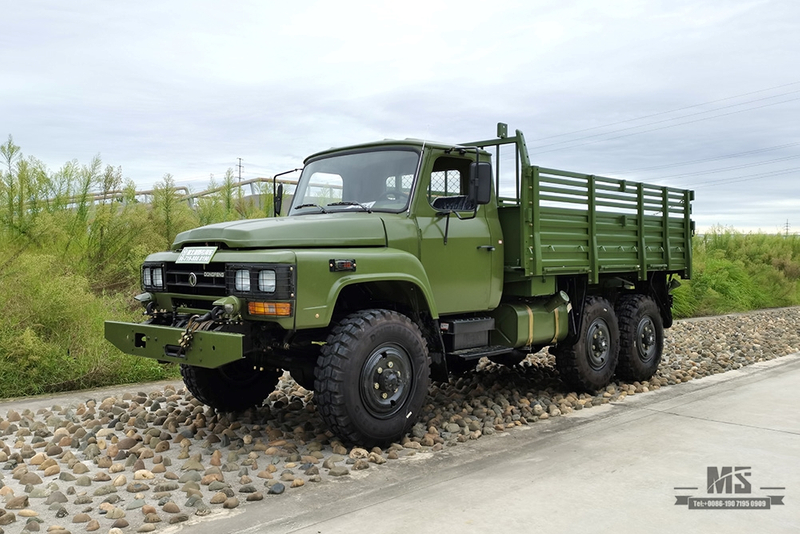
[(318, 230)]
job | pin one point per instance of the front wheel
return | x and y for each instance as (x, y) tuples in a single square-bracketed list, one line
[(372, 377), (231, 388), (591, 361)]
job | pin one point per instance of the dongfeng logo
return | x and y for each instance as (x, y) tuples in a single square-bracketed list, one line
[(192, 279)]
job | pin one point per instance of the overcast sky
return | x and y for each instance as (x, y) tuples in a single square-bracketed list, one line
[(694, 94)]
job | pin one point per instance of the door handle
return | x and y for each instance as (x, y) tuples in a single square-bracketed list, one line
[(490, 248)]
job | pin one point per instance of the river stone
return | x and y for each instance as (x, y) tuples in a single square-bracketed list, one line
[(105, 490), (30, 478), (192, 465), (338, 471), (81, 518), (276, 489), (56, 496), (135, 504), (115, 513), (171, 508), (17, 503), (179, 518), (190, 476)]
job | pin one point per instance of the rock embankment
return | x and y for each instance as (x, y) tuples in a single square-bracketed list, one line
[(141, 460)]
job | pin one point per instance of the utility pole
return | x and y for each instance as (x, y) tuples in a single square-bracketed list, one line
[(240, 169), (787, 228)]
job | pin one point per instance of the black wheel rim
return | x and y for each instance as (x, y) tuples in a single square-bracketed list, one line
[(646, 342), (598, 344), (386, 380)]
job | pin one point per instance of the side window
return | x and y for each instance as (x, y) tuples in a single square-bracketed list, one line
[(448, 188)]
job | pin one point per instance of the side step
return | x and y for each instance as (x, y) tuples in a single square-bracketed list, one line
[(479, 352)]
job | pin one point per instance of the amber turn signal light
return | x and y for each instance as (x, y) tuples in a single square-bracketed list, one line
[(279, 309)]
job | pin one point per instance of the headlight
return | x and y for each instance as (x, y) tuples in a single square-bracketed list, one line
[(158, 277), (152, 277), (242, 280), (266, 281)]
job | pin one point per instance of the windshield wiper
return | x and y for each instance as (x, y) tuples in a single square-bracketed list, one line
[(311, 206), (350, 203)]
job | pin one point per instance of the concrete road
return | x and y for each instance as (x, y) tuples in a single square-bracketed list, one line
[(618, 468)]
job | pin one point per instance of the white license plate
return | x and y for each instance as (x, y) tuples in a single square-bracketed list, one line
[(197, 255)]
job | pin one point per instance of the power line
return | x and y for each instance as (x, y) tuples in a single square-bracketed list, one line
[(665, 127), (732, 168), (664, 112), (705, 160), (747, 177), (671, 119)]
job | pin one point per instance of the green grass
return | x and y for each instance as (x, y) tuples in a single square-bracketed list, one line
[(736, 272), (51, 338)]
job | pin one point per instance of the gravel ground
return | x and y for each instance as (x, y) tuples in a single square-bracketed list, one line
[(143, 461)]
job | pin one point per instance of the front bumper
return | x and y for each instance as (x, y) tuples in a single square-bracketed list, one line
[(208, 349)]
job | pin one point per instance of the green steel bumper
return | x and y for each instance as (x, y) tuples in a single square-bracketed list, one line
[(207, 349)]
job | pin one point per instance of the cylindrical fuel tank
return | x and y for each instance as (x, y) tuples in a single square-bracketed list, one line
[(534, 322)]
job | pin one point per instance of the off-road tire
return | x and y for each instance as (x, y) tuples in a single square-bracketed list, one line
[(231, 388), (641, 337), (368, 354), (589, 364)]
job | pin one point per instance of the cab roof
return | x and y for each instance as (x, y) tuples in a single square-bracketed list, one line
[(387, 143)]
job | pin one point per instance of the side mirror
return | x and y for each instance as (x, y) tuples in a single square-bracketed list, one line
[(480, 182), (277, 201)]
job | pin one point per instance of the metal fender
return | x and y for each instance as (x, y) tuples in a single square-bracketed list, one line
[(320, 284)]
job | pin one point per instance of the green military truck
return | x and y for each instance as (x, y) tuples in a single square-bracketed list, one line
[(402, 262)]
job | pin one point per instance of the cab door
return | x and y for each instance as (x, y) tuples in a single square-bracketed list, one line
[(458, 254)]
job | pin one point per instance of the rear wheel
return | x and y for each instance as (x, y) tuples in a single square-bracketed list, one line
[(590, 362), (372, 377), (641, 342), (231, 388)]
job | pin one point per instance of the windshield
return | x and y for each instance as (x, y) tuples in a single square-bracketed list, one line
[(376, 180)]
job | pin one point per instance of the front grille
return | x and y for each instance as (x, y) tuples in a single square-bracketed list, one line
[(189, 279)]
